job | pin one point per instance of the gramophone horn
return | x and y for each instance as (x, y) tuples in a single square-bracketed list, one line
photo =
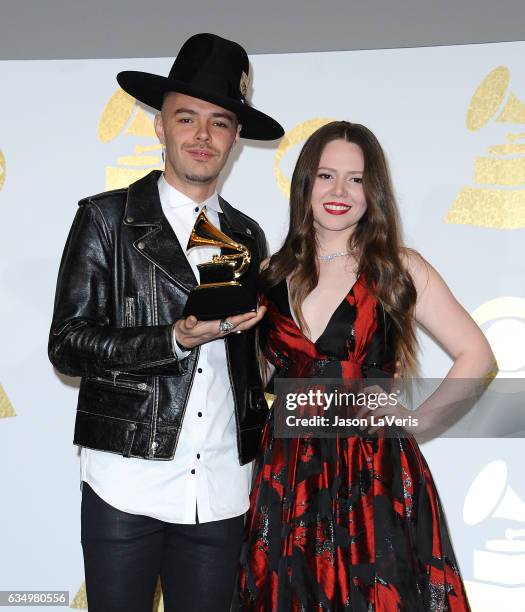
[(489, 97), (204, 233)]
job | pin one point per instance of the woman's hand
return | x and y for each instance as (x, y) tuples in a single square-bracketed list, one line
[(374, 412)]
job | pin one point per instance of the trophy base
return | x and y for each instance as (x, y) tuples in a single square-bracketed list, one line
[(219, 300)]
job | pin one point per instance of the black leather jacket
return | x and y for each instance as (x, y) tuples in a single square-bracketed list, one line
[(123, 281)]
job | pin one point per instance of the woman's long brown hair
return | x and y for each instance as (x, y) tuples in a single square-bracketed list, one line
[(377, 237)]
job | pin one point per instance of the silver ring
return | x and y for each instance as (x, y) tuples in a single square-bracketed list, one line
[(225, 326)]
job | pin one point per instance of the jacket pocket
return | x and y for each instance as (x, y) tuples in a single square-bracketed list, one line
[(128, 400)]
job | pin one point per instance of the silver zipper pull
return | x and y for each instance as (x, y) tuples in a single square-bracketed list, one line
[(115, 374)]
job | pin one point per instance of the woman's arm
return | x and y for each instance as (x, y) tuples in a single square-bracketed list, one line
[(438, 312)]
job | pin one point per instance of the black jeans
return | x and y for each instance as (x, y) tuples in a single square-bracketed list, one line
[(124, 554)]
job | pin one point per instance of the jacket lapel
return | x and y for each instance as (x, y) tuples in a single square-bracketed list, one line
[(155, 240), (232, 224)]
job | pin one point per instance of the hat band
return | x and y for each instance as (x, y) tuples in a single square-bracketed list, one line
[(210, 83)]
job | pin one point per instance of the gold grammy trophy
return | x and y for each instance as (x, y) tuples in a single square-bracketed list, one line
[(219, 293)]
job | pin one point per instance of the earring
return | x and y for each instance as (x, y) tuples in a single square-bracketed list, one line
[(163, 155)]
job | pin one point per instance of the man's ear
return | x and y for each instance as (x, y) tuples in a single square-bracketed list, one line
[(159, 128), (238, 135)]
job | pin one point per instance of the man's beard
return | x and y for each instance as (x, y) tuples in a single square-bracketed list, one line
[(201, 180)]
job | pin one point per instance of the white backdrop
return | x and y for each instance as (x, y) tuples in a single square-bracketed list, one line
[(66, 132)]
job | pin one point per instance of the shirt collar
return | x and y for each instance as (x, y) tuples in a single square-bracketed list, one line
[(169, 196)]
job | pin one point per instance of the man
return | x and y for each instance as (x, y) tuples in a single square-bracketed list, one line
[(170, 409)]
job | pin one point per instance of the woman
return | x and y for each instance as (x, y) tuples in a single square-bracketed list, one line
[(352, 522)]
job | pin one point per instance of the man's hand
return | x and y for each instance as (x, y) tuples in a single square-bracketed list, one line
[(191, 332)]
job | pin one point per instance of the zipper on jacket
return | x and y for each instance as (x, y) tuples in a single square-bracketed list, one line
[(155, 399), (126, 384), (129, 312)]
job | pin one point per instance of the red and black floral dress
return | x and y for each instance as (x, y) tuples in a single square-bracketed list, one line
[(348, 523)]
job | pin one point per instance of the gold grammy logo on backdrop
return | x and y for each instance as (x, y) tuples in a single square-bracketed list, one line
[(295, 136), (124, 115), (2, 169), (6, 408), (80, 600), (498, 200)]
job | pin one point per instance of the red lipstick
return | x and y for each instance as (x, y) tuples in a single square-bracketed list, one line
[(336, 208)]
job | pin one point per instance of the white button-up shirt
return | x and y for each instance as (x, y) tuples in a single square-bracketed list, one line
[(205, 475)]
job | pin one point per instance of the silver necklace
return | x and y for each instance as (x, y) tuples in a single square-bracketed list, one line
[(331, 256)]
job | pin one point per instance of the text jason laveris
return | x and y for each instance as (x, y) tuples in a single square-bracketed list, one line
[(337, 421)]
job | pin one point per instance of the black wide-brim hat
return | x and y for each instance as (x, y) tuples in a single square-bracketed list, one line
[(210, 68)]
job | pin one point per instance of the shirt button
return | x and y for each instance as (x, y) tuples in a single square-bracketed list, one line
[(199, 414), (196, 209), (141, 245), (199, 370), (198, 455), (193, 471)]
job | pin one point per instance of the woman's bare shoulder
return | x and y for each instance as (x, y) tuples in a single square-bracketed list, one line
[(417, 266)]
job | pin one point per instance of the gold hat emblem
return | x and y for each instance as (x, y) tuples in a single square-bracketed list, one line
[(243, 85)]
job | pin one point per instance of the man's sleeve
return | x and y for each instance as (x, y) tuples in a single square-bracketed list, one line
[(82, 342)]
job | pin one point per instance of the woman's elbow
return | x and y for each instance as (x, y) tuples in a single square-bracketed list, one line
[(486, 358)]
